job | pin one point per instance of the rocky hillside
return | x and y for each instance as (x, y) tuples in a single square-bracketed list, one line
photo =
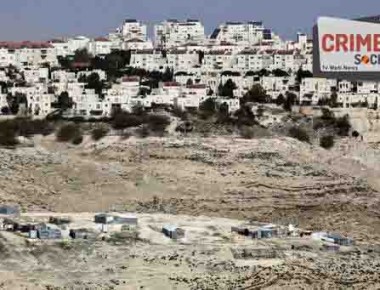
[(275, 179)]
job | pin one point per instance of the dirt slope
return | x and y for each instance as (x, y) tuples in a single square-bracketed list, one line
[(279, 180)]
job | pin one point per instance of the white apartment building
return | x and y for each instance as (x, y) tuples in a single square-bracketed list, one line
[(63, 76), (100, 46), (133, 29), (252, 60), (61, 47), (137, 44), (148, 60), (367, 87), (274, 86), (183, 77), (182, 60), (284, 60), (77, 43), (102, 74), (345, 86), (3, 101), (24, 54), (233, 104), (173, 33), (36, 75), (186, 102), (38, 98), (7, 56), (348, 100), (196, 90), (40, 105), (314, 89), (249, 33), (218, 60)]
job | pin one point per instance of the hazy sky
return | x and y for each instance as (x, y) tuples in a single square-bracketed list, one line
[(44, 19)]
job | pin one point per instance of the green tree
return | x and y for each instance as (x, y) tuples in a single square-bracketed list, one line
[(290, 101), (256, 94), (327, 142), (227, 90), (301, 74), (300, 134), (279, 73), (189, 82), (167, 75), (333, 102), (64, 101), (94, 82), (82, 55), (208, 107), (15, 101), (280, 100), (201, 56)]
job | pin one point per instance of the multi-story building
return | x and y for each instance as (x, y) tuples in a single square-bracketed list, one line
[(32, 76), (133, 29), (100, 46), (27, 54), (249, 33), (182, 59), (252, 60), (218, 60), (173, 33), (148, 59), (314, 89)]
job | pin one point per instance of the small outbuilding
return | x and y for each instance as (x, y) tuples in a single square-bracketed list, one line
[(125, 220), (82, 234), (339, 240), (173, 232), (104, 218), (49, 232), (9, 210)]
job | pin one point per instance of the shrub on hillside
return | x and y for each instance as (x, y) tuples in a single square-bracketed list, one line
[(327, 142), (124, 120), (247, 132), (143, 132), (99, 132), (157, 123), (27, 127), (343, 126), (68, 133), (299, 134), (8, 134), (178, 112), (78, 139)]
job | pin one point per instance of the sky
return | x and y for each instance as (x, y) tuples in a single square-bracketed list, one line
[(46, 19)]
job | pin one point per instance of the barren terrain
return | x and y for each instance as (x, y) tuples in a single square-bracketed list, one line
[(278, 180)]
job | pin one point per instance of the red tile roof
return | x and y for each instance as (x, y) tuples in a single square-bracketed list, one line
[(103, 39), (171, 84), (196, 86), (24, 44), (130, 79)]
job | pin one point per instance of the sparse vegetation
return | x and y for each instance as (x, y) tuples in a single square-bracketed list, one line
[(256, 94), (8, 136), (299, 134), (247, 132), (69, 132), (327, 142), (26, 127), (77, 139), (123, 120), (99, 132)]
